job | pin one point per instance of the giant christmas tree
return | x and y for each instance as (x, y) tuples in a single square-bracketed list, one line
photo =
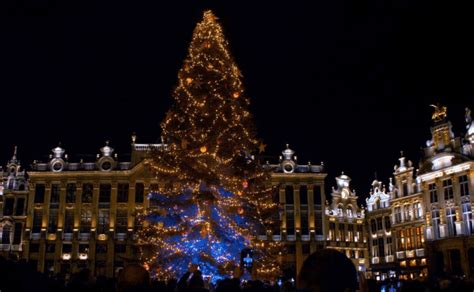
[(214, 196)]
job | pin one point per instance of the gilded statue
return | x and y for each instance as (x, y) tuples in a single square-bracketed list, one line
[(440, 112)]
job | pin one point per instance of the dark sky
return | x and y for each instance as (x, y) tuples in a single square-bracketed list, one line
[(344, 82)]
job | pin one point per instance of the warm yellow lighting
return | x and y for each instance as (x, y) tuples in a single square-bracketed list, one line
[(203, 149)]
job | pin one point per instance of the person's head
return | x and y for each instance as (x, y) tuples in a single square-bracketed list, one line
[(133, 278), (196, 281), (328, 270)]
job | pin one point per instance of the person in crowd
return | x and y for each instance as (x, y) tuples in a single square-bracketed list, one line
[(328, 270), (133, 278)]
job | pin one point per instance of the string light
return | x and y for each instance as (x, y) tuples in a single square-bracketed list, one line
[(210, 204)]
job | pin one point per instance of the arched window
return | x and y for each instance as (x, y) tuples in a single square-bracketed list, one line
[(377, 203), (450, 219), (6, 229), (435, 221), (467, 217), (349, 211)]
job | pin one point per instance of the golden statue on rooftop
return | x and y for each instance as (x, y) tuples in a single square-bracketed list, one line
[(440, 112)]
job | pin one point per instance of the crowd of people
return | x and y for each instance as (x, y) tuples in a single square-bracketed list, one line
[(323, 271)]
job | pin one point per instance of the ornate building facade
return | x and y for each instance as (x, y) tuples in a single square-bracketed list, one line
[(301, 196), (80, 213), (345, 224), (380, 237), (13, 198), (446, 181)]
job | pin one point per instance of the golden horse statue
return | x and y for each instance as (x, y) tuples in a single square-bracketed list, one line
[(440, 112)]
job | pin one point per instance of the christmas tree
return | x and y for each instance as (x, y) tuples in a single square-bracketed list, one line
[(214, 197)]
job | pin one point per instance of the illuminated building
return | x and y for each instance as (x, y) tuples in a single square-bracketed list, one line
[(380, 237), (80, 213), (13, 197), (345, 224), (446, 179), (407, 221), (302, 197)]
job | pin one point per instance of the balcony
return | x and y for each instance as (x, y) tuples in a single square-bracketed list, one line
[(35, 236), (4, 247), (261, 237), (16, 247), (84, 236), (277, 237), (410, 254), (400, 254), (305, 237), (389, 259), (67, 236), (420, 252), (291, 237), (375, 260), (121, 236)]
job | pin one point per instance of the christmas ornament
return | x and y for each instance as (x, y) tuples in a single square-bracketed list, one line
[(189, 80), (184, 144), (245, 184), (236, 94), (203, 149), (261, 147), (240, 211)]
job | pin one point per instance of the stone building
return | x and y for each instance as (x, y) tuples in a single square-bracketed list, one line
[(345, 224), (446, 181), (13, 197), (380, 237), (301, 197), (80, 213)]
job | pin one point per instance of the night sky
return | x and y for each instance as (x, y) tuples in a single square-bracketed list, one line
[(344, 82)]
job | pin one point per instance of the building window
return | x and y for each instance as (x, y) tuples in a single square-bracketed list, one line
[(70, 193), (405, 188), (419, 237), (20, 207), (103, 221), (375, 249), (317, 195), (6, 234), (139, 192), (87, 190), (86, 220), (50, 247), (318, 223), (381, 247), (448, 189), (389, 246), (379, 223), (55, 193), (122, 218), (39, 193), (303, 195), (464, 185), (377, 204), (290, 222), (433, 193), (17, 233), (387, 223), (101, 248), (69, 221), (373, 226), (122, 193), (305, 248), (467, 217), (332, 230), (350, 232), (417, 211), (349, 212), (450, 219), (341, 232), (8, 206), (53, 221), (435, 220), (358, 236), (289, 195), (104, 194), (304, 222), (406, 213), (120, 248), (398, 214), (37, 220)]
